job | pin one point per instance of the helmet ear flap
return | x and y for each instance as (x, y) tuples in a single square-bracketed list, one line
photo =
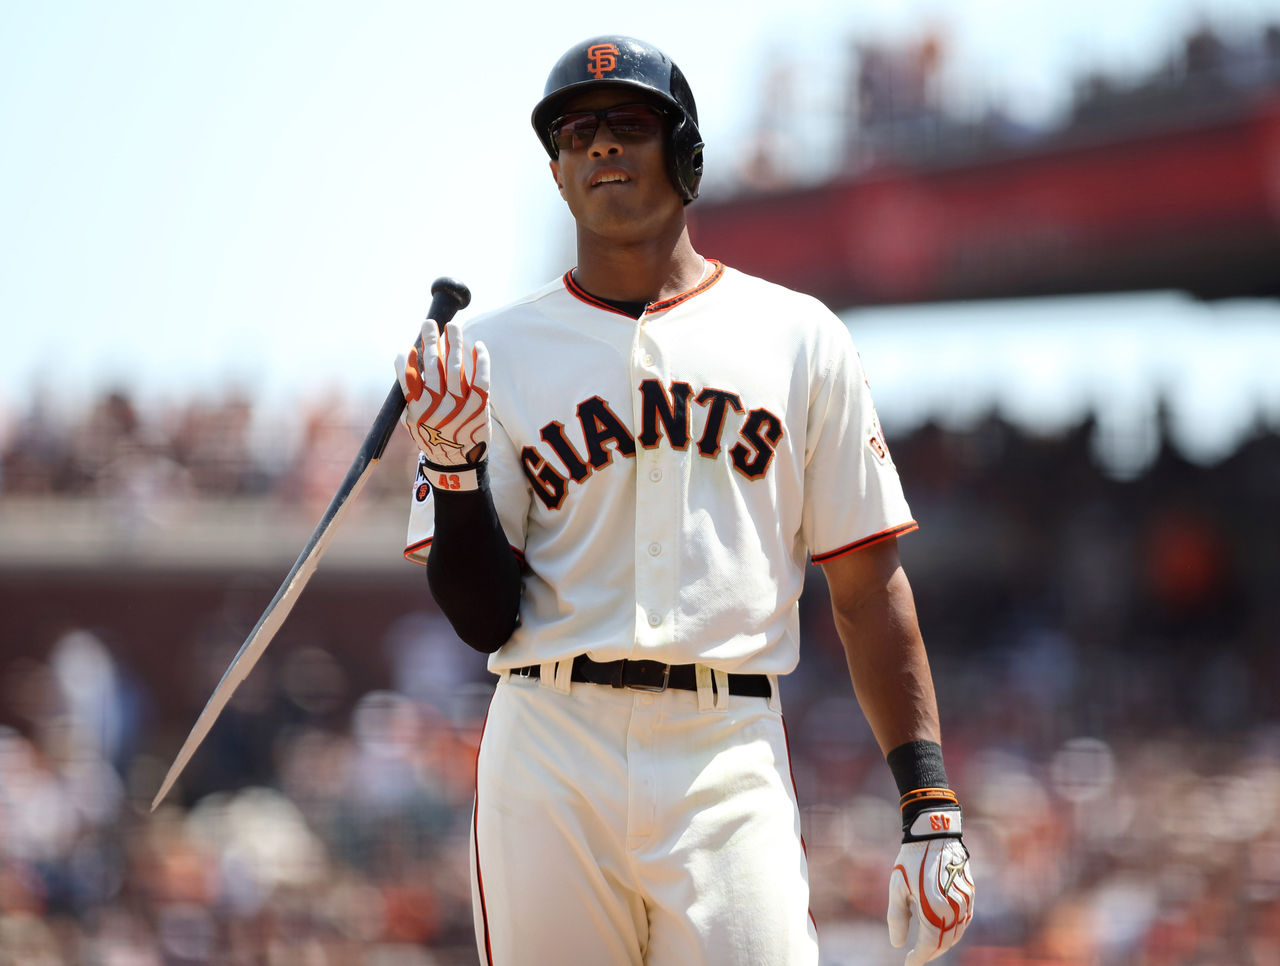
[(686, 158)]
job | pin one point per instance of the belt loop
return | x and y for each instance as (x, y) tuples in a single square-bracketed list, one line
[(504, 675), (560, 674), (722, 689), (707, 699), (775, 699)]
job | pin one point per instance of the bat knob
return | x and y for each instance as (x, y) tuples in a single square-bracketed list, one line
[(457, 294)]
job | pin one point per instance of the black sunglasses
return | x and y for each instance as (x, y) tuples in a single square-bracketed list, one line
[(627, 122)]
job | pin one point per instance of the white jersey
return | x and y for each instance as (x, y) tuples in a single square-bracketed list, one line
[(665, 480)]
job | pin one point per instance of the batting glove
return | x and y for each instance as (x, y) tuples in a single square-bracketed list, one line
[(446, 391), (931, 880)]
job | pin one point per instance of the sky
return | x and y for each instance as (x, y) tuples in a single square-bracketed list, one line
[(259, 194)]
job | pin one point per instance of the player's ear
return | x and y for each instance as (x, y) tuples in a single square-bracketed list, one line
[(555, 173)]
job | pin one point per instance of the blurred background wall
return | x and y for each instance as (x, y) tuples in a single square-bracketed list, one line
[(1095, 570)]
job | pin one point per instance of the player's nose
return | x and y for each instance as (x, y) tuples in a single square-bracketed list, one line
[(605, 143)]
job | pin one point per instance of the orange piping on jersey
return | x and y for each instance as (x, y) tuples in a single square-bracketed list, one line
[(582, 295), (413, 548), (867, 541), (696, 290)]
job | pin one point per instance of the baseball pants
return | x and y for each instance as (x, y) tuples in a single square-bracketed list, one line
[(617, 828)]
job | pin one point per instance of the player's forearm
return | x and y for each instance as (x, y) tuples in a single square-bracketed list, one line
[(472, 571), (876, 619), (891, 678)]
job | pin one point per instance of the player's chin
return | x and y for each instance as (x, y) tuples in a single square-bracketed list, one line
[(624, 217), (612, 201)]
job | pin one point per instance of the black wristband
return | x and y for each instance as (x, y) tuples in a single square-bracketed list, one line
[(917, 764), (922, 784)]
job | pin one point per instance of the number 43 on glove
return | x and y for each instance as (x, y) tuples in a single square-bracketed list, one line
[(446, 391)]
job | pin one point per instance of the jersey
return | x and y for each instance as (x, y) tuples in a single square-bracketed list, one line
[(666, 480)]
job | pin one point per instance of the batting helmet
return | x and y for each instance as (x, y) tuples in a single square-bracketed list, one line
[(624, 61)]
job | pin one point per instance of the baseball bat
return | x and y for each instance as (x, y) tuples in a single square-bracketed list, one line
[(447, 298)]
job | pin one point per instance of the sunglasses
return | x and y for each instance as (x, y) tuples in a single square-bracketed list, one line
[(627, 122)]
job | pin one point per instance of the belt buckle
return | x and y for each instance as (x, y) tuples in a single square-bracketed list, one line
[(654, 689)]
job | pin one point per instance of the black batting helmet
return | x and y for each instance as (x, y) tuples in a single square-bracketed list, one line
[(614, 60)]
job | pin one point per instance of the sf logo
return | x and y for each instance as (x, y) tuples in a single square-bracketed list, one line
[(601, 58)]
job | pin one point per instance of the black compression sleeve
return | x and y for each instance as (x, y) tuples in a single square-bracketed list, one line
[(472, 571)]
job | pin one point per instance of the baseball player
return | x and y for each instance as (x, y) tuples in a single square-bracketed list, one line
[(622, 479)]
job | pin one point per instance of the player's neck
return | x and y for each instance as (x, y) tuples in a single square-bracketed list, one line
[(643, 271)]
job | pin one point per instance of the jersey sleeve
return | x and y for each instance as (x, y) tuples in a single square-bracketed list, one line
[(507, 483), (852, 494)]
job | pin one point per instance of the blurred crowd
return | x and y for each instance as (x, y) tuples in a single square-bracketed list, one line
[(900, 103), (1104, 652), (217, 448)]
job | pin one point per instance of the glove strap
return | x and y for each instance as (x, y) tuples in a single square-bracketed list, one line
[(454, 479), (943, 821)]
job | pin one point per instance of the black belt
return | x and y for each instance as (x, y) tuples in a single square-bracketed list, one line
[(651, 676)]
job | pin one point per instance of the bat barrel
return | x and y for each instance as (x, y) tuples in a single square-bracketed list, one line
[(448, 297)]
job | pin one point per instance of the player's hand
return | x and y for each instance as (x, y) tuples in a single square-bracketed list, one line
[(932, 881), (446, 391)]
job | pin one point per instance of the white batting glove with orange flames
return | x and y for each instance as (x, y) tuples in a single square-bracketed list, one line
[(931, 881), (446, 392)]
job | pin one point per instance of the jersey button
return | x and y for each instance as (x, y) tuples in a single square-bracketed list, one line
[(655, 549), (648, 359), (654, 618), (655, 476)]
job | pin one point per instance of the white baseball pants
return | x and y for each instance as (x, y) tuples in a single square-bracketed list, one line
[(618, 828)]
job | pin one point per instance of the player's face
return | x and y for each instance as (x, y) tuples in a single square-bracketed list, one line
[(615, 182)]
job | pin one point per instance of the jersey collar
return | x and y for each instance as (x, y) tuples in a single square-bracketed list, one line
[(582, 295)]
